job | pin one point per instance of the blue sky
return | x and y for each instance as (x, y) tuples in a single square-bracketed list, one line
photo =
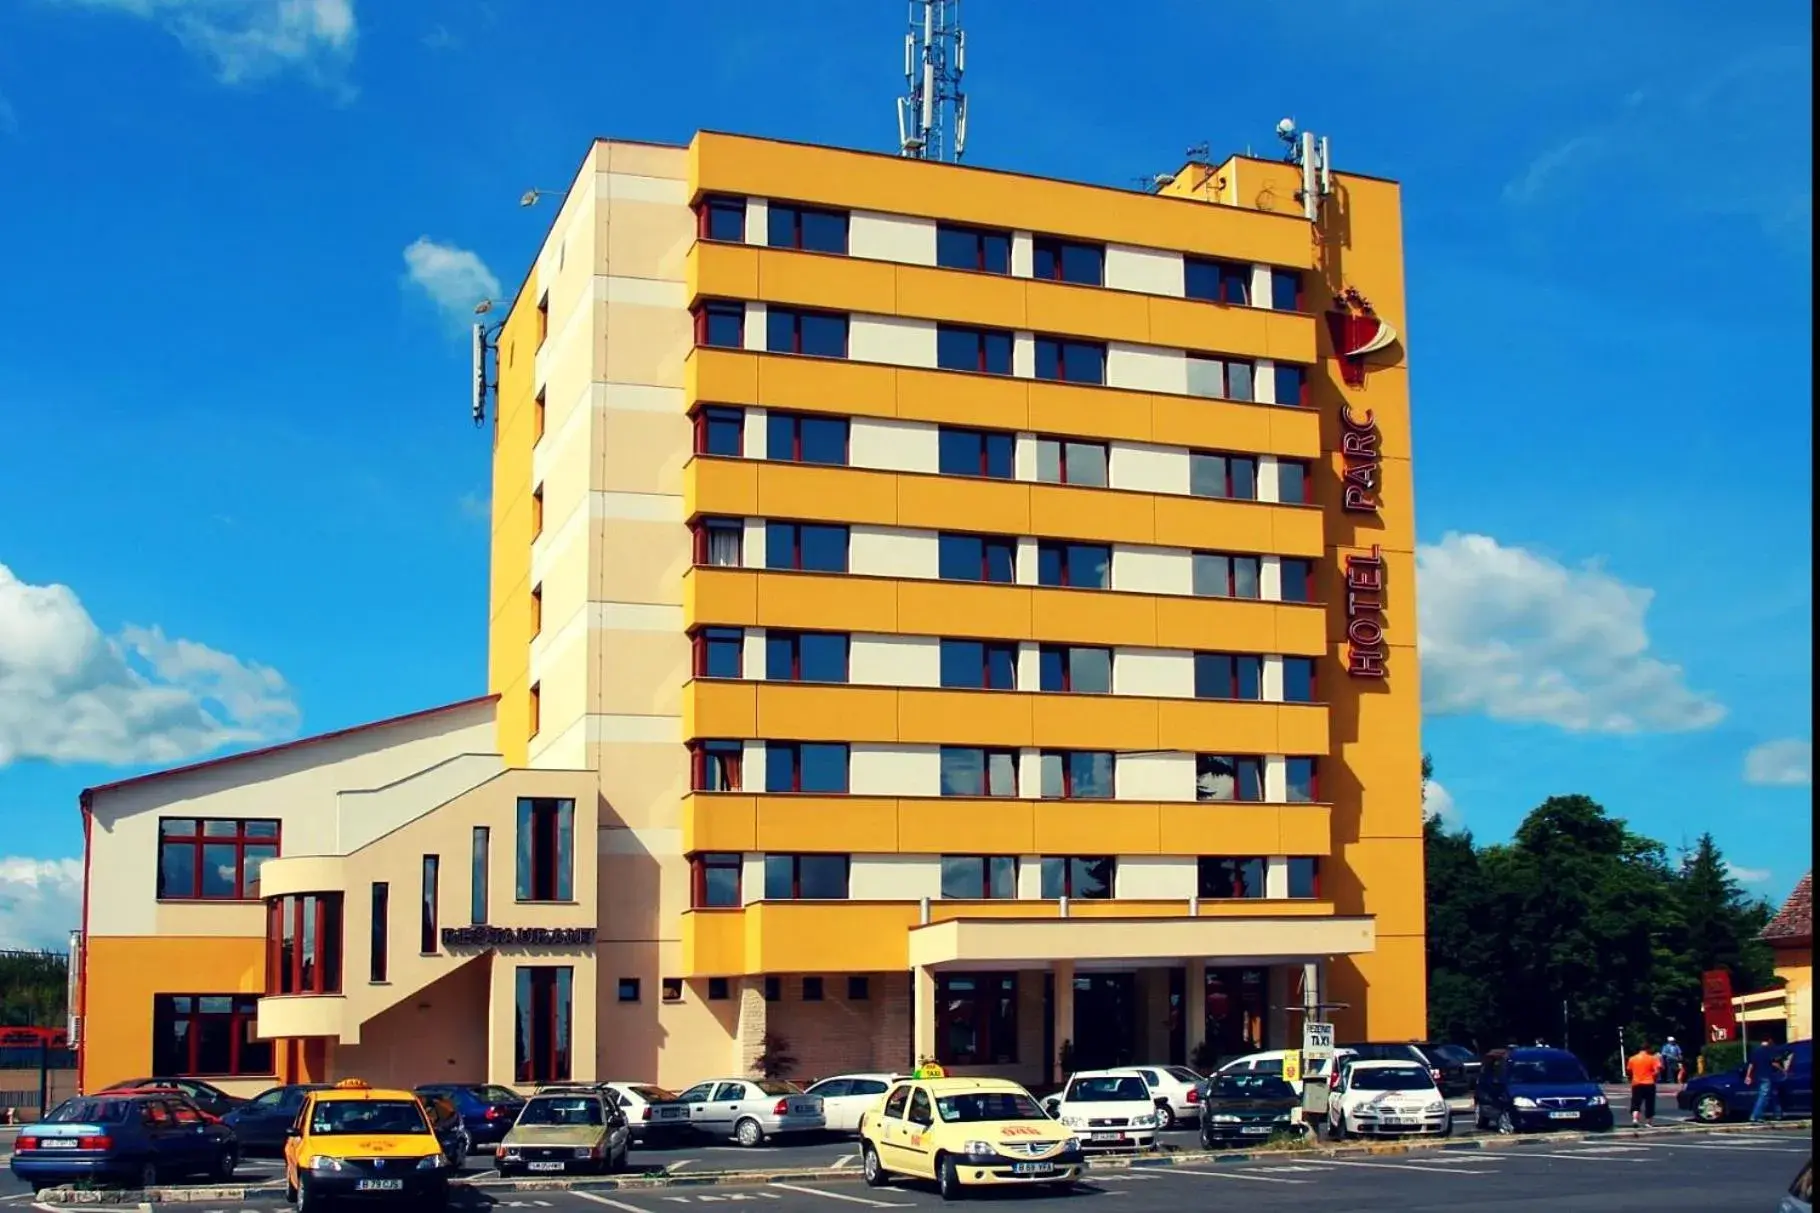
[(242, 497)]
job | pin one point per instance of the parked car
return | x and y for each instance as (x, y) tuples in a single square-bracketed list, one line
[(1724, 1096), (487, 1109), (446, 1122), (1254, 1107), (654, 1114), (261, 1123), (1386, 1098), (965, 1132), (123, 1137), (1800, 1195), (847, 1097), (1176, 1091), (354, 1140), (1110, 1109), (578, 1129), (1537, 1088), (1270, 1063), (209, 1098), (752, 1109), (1448, 1065)]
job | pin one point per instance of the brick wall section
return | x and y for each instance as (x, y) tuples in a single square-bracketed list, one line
[(754, 1022), (842, 1036)]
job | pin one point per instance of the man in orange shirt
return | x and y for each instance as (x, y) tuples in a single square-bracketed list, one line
[(1644, 1068)]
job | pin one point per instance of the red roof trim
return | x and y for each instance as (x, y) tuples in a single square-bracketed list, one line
[(210, 763)]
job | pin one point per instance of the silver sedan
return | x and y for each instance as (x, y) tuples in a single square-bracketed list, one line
[(752, 1109)]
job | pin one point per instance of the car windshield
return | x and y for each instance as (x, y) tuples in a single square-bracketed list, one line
[(1252, 1086), (1182, 1074), (332, 1116), (90, 1111), (1391, 1078), (1108, 1089), (653, 1094), (493, 1094), (778, 1088), (1456, 1053), (562, 1110), (1547, 1069), (988, 1105)]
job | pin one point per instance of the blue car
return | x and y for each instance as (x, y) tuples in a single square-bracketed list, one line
[(1537, 1088), (261, 1122), (487, 1110), (1724, 1096), (124, 1138)]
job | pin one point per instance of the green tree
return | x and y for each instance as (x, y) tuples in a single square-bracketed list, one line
[(34, 989)]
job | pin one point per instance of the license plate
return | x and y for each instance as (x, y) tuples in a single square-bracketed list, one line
[(1032, 1168), (1260, 1129), (378, 1185), (1563, 1116), (803, 1109), (1107, 1136), (671, 1114), (543, 1166), (56, 1143)]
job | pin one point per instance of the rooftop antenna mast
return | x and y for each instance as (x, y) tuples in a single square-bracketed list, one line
[(1311, 155), (932, 115)]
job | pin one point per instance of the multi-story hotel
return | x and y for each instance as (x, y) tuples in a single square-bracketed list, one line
[(936, 612)]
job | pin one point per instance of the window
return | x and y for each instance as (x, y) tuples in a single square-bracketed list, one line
[(1304, 877), (1067, 261), (1233, 476), (541, 1041), (536, 611), (1302, 781), (794, 438), (1296, 580), (1065, 461), (1223, 877), (1087, 877), (972, 248), (1075, 668), (1291, 383), (719, 217), (987, 351), (809, 228), (971, 771), (977, 558), (1293, 484), (719, 989), (806, 656), (1216, 281), (1298, 680), (805, 877), (719, 542), (303, 944), (213, 858), (628, 989), (979, 665), (976, 1019), (859, 989), (1221, 378), (1286, 290), (426, 933), (546, 849), (1070, 361), (534, 709), (537, 511), (979, 877), (208, 1035), (671, 989), (720, 653), (380, 943), (1077, 774), (715, 765), (794, 331), (812, 989), (1218, 575), (543, 319), (807, 546), (977, 453), (721, 323), (714, 879), (1228, 676), (720, 431), (1223, 777), (1077, 565), (537, 418), (477, 875), (805, 766)]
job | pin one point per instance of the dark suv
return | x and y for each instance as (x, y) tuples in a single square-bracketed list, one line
[(1534, 1088), (1453, 1067)]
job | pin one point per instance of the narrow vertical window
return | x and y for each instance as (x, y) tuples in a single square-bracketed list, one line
[(537, 511), (477, 898), (381, 928), (426, 938), (536, 611), (542, 1039), (534, 710), (546, 850), (537, 418)]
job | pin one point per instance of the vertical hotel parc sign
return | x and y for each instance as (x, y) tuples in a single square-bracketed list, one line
[(1366, 651)]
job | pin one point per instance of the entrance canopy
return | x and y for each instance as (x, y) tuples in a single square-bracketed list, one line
[(999, 943)]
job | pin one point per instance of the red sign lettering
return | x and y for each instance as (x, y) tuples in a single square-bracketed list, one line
[(1365, 648), (1359, 453)]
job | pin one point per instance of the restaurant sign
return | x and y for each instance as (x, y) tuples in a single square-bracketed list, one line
[(519, 937)]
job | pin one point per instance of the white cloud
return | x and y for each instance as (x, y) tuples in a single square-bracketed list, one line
[(1747, 875), (248, 40), (1788, 763), (40, 902), (1438, 802), (70, 693), (1517, 636), (454, 278)]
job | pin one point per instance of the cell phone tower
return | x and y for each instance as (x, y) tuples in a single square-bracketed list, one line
[(932, 116)]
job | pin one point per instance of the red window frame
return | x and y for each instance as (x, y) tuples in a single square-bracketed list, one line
[(699, 530), (1301, 287), (1066, 653), (1061, 456), (794, 750), (1232, 580), (797, 210), (987, 544), (546, 987), (1263, 862), (795, 422), (1233, 682), (985, 875), (1061, 358), (984, 439), (292, 968), (718, 413), (1227, 459), (1314, 778), (701, 639), (1240, 762), (794, 638), (1307, 497), (796, 875), (1314, 680), (708, 308), (1314, 876), (987, 754), (730, 752), (247, 1056), (1301, 386), (197, 838), (796, 315), (1308, 571), (704, 208), (978, 235), (1053, 245), (1068, 792), (1223, 273), (981, 363), (1068, 862), (1062, 547), (1003, 648), (796, 545), (701, 864)]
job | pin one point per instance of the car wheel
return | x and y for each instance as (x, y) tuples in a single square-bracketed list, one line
[(747, 1133), (1447, 1126), (1165, 1115), (948, 1179), (876, 1175), (1505, 1123), (225, 1164), (1709, 1109)]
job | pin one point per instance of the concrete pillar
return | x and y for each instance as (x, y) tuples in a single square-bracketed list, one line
[(922, 1013), (1194, 1006), (1063, 1014), (754, 1022)]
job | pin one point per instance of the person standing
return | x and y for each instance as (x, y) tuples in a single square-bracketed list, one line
[(1765, 1073), (1671, 1062), (1644, 1068)]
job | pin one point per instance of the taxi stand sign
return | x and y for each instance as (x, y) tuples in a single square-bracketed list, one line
[(1317, 1045)]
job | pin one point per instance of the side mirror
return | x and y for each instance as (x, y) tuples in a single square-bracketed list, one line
[(293, 1131), (1052, 1106)]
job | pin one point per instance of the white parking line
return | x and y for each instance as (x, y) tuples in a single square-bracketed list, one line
[(1579, 1156), (679, 1164), (1257, 1179), (854, 1200), (844, 1159), (1690, 1145), (1393, 1166), (607, 1200)]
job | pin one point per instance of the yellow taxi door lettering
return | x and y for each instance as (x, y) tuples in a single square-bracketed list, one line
[(919, 1122), (891, 1135)]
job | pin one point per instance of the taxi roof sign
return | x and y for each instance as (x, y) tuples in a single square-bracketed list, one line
[(352, 1084), (929, 1070)]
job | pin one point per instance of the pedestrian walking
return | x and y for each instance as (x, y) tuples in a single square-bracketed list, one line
[(1765, 1073), (1644, 1068), (1672, 1069)]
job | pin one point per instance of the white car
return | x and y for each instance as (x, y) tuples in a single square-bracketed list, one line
[(1270, 1062), (1176, 1090), (1385, 1099), (653, 1112), (847, 1097), (1110, 1109)]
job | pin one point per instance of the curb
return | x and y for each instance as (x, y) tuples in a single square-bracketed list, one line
[(710, 1179)]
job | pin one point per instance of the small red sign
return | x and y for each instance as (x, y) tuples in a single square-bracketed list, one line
[(1716, 1005)]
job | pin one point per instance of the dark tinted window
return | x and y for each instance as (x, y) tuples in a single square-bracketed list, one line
[(968, 349), (792, 331), (1291, 383), (977, 558), (1223, 877), (1216, 281), (1228, 676), (809, 546), (972, 248), (808, 766), (977, 453), (1079, 565), (1228, 777), (722, 652), (1067, 261), (1078, 876), (1298, 680), (720, 432), (723, 219), (1286, 290), (806, 877), (979, 664), (1292, 482), (720, 322), (1070, 361), (806, 438), (805, 227), (1234, 476), (805, 656), (1297, 580), (1305, 877)]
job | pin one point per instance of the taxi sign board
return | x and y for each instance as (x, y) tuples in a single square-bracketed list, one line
[(1317, 1039)]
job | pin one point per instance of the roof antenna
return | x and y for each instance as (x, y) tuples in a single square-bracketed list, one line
[(1312, 156), (932, 115)]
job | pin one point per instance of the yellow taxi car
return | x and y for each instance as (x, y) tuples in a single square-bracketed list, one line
[(352, 1140), (963, 1132)]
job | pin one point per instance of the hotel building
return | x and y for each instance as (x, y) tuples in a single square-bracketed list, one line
[(935, 612)]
